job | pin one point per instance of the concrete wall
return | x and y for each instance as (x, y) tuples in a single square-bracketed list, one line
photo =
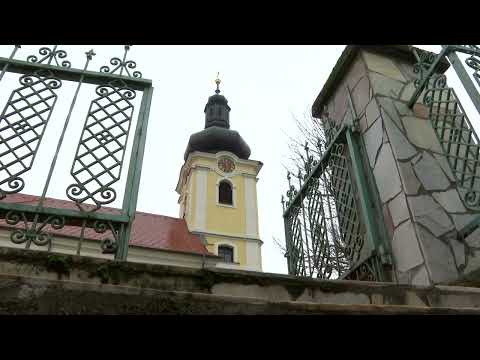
[(30, 275), (33, 296)]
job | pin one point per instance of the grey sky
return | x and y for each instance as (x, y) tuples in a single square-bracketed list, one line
[(265, 86)]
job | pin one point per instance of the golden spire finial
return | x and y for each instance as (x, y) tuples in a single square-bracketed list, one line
[(217, 81)]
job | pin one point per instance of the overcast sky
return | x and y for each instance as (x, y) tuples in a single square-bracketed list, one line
[(266, 86)]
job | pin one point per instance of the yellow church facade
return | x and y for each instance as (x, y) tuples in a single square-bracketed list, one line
[(218, 189), (220, 224)]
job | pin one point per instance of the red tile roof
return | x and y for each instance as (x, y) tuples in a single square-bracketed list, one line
[(148, 230)]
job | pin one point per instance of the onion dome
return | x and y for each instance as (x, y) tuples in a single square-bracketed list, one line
[(217, 135)]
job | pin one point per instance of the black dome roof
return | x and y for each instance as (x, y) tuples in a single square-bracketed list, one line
[(215, 139), (217, 135)]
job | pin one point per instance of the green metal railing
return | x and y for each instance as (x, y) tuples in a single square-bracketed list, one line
[(457, 137), (100, 153), (330, 229)]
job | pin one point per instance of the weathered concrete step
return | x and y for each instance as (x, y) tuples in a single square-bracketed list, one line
[(242, 284), (24, 295)]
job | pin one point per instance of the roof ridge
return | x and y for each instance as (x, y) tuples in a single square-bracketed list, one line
[(35, 197), (153, 214), (149, 230)]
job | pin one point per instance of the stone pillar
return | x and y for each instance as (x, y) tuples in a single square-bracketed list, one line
[(422, 209)]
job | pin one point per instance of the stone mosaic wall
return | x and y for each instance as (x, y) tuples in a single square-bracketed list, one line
[(422, 208)]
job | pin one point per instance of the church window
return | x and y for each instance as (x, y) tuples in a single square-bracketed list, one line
[(225, 193), (226, 252)]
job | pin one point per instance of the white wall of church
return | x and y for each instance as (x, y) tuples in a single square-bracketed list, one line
[(91, 248)]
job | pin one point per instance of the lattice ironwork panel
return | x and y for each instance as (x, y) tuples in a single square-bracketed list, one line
[(324, 232), (99, 158), (22, 125), (328, 256), (295, 252), (350, 227), (457, 138)]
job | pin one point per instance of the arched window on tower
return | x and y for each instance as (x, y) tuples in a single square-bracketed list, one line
[(225, 193), (226, 253)]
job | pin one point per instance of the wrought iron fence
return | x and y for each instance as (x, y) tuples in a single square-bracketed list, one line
[(457, 136), (100, 154), (329, 227)]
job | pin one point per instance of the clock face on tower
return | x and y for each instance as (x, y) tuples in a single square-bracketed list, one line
[(226, 164)]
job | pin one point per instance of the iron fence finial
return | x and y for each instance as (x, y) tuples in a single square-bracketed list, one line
[(90, 54)]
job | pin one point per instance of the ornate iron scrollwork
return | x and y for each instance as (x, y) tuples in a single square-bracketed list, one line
[(33, 231), (474, 63), (37, 229), (108, 245), (49, 55), (99, 158), (122, 65), (22, 125), (424, 62)]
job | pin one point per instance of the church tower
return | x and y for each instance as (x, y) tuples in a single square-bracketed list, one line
[(218, 192)]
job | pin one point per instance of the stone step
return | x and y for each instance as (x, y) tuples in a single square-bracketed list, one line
[(27, 296), (264, 287)]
